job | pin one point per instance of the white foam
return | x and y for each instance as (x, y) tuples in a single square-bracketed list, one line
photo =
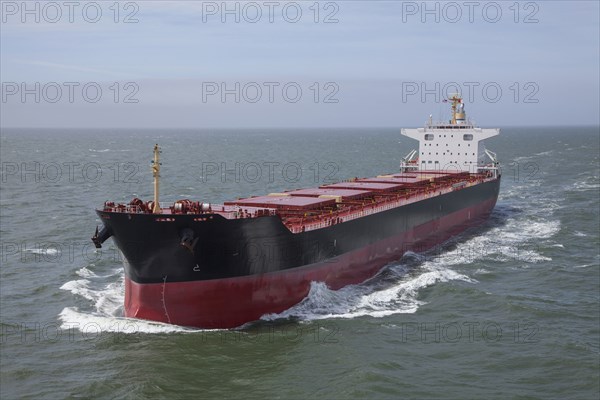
[(542, 154), (525, 229), (93, 324), (46, 252), (78, 287), (110, 300), (106, 315), (515, 240), (107, 150), (107, 300), (361, 300), (585, 185), (585, 265), (85, 273)]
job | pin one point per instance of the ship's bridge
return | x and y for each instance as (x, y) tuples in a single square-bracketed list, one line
[(454, 145)]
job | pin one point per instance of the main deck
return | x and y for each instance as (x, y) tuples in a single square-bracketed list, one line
[(304, 210)]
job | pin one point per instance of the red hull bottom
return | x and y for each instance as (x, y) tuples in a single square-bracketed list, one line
[(231, 302)]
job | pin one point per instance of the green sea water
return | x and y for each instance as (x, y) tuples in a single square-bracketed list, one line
[(509, 309)]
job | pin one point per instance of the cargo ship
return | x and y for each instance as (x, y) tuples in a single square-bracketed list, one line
[(207, 265)]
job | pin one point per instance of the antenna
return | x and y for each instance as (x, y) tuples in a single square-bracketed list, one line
[(156, 175)]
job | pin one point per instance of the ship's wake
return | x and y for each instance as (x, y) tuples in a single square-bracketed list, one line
[(394, 290), (511, 237)]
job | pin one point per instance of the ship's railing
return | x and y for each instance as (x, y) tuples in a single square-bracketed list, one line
[(132, 208), (122, 208), (146, 208), (383, 203)]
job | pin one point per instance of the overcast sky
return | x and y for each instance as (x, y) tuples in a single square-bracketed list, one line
[(293, 64)]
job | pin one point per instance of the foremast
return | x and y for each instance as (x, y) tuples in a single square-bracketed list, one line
[(156, 175)]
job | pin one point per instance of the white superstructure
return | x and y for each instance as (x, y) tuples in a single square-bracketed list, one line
[(453, 146)]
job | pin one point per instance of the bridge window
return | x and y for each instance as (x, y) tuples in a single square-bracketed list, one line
[(467, 136)]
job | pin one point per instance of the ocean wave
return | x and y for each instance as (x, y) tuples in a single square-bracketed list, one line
[(529, 157), (512, 235), (80, 288), (45, 252), (97, 323), (85, 273), (366, 299), (585, 185), (585, 265), (519, 230), (107, 300), (106, 308), (107, 311), (107, 150), (516, 240)]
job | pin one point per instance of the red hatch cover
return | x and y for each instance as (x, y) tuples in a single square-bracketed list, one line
[(373, 186), (429, 175), (283, 202), (435, 172), (343, 193), (394, 179)]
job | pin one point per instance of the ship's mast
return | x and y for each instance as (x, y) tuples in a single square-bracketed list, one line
[(156, 175), (456, 100)]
